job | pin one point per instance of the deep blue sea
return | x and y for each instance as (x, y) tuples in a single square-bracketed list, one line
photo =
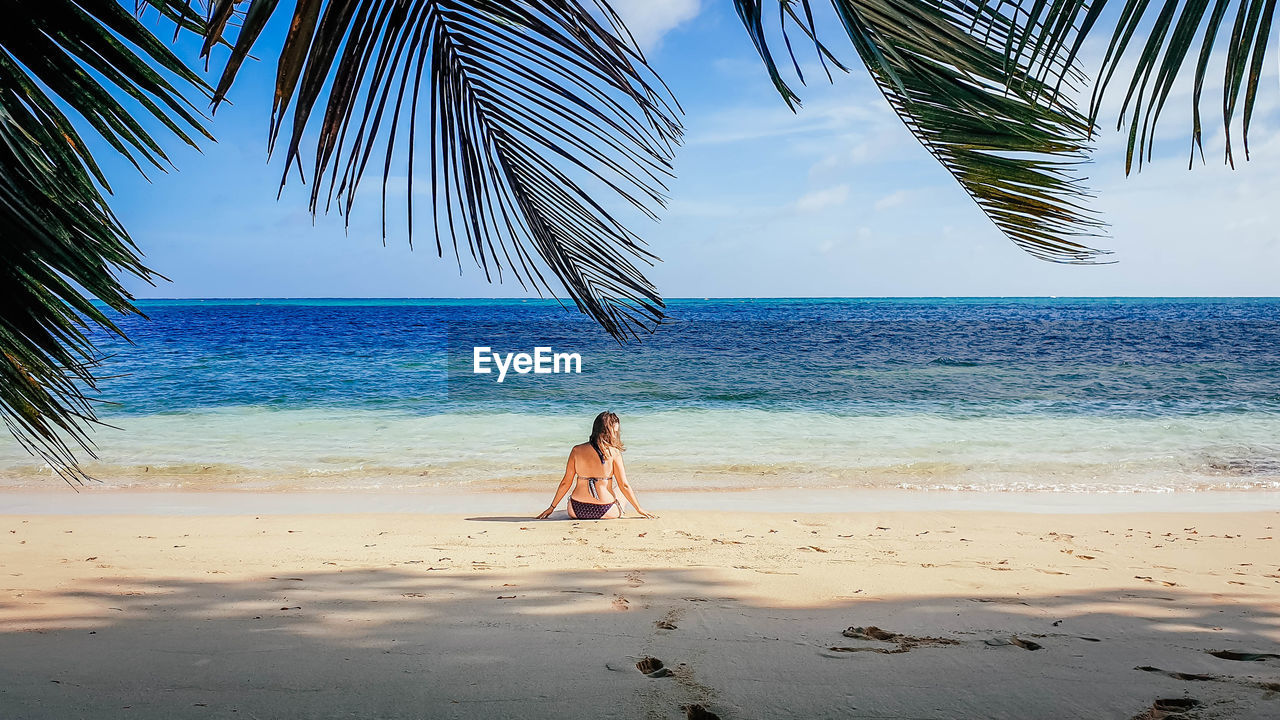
[(959, 394)]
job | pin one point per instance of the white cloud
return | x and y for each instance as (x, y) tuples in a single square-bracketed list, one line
[(834, 113), (893, 199), (821, 199), (650, 20)]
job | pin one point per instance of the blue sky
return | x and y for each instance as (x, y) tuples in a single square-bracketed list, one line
[(837, 200)]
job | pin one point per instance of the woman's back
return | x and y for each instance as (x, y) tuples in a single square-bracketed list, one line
[(587, 461), (593, 476)]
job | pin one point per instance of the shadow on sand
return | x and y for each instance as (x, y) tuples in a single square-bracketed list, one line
[(473, 642)]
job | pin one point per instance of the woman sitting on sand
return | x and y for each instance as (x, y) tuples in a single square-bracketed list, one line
[(595, 464)]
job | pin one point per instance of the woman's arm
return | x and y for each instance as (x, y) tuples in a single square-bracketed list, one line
[(621, 472), (565, 482)]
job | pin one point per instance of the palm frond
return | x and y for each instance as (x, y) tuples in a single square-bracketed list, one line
[(1175, 32), (1011, 140), (59, 235), (536, 112), (185, 15)]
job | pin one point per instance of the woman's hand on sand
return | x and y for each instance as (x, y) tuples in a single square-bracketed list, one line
[(644, 513), (545, 514)]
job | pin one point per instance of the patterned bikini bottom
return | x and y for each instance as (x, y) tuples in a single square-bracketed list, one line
[(590, 511)]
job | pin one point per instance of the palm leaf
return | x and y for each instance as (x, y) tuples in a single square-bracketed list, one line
[(59, 235), (541, 117), (1175, 32), (954, 76), (184, 14)]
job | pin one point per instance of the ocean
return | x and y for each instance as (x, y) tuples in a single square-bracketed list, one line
[(974, 394)]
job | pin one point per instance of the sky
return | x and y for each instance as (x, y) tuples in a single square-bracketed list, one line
[(835, 200)]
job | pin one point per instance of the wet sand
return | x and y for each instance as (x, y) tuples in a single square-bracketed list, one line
[(937, 614)]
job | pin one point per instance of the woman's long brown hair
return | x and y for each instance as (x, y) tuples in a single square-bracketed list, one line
[(606, 430)]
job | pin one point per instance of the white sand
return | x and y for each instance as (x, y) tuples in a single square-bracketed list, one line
[(367, 615)]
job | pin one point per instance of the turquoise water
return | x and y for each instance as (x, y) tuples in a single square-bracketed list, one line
[(933, 394)]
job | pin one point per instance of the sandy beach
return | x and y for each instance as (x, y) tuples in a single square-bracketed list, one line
[(962, 614)]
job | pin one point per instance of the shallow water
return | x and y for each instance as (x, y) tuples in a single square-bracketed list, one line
[(975, 394)]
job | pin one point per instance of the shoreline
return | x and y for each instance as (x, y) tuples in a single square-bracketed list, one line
[(437, 501)]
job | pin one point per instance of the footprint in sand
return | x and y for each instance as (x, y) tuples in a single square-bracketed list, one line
[(635, 579), (1177, 675), (905, 643), (1243, 657), (696, 711), (871, 632), (652, 667), (1169, 709), (621, 603), (843, 649), (668, 621), (1015, 641)]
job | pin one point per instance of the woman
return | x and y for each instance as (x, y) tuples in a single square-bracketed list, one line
[(595, 464)]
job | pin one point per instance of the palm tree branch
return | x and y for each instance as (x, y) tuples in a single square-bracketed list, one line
[(953, 74), (542, 115), (62, 244), (1159, 39)]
